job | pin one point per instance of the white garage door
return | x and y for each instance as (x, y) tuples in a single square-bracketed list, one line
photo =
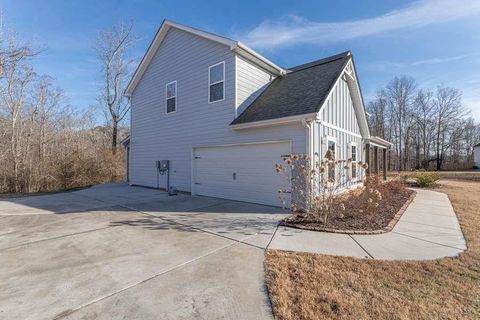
[(241, 172)]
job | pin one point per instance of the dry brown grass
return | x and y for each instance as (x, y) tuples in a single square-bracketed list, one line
[(310, 286)]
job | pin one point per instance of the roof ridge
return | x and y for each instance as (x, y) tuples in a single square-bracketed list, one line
[(319, 62)]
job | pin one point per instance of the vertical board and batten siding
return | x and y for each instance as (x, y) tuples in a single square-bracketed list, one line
[(251, 81), (338, 109), (155, 135), (476, 156), (339, 112)]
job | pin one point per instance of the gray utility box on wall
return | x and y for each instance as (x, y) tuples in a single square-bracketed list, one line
[(163, 167)]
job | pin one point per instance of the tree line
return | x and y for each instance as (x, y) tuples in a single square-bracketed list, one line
[(47, 144), (430, 129)]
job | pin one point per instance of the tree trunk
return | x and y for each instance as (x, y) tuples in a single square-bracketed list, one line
[(114, 135)]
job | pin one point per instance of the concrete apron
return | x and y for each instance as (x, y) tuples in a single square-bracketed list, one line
[(149, 256), (428, 229)]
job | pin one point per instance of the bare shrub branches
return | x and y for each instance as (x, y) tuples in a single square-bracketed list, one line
[(315, 184), (46, 145)]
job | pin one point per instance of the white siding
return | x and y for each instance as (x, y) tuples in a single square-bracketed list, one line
[(340, 123), (155, 135), (476, 156), (338, 109), (251, 81)]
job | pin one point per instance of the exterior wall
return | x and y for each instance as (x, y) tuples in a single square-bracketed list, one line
[(476, 156), (155, 135), (338, 109), (251, 81), (337, 119)]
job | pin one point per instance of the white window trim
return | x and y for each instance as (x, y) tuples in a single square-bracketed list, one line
[(333, 139), (354, 144), (166, 97), (210, 84)]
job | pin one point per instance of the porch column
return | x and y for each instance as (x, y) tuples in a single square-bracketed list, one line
[(367, 158), (384, 164), (375, 159)]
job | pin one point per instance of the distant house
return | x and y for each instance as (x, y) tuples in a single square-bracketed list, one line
[(476, 155), (223, 115)]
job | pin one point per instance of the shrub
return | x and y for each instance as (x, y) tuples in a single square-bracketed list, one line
[(426, 179), (315, 184)]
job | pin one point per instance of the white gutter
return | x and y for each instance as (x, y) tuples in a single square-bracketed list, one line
[(272, 122), (248, 53)]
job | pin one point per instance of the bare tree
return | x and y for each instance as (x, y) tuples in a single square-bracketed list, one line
[(400, 92), (423, 115), (112, 48), (46, 144), (17, 74), (448, 113), (424, 126)]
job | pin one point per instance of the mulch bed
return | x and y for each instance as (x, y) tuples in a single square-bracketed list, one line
[(352, 221)]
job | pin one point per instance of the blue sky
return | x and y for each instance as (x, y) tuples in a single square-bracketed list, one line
[(435, 41)]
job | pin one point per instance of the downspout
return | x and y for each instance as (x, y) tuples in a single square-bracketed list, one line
[(311, 138), (309, 124)]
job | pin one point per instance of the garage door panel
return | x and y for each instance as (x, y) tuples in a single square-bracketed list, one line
[(253, 165)]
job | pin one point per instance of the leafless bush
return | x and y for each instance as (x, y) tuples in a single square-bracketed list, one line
[(315, 186)]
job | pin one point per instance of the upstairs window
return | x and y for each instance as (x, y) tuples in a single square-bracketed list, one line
[(171, 96), (216, 82)]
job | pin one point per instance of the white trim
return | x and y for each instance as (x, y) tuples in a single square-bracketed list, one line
[(236, 86), (373, 144), (333, 139), (355, 95), (221, 81), (253, 56), (351, 145), (354, 144), (374, 140), (242, 144), (161, 34), (334, 127), (272, 122), (166, 97), (358, 95), (193, 171)]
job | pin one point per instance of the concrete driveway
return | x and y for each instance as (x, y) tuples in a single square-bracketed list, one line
[(120, 252)]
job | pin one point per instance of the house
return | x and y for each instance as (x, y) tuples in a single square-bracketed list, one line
[(220, 116), (476, 155)]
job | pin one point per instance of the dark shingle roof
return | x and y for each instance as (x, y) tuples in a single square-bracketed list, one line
[(301, 91)]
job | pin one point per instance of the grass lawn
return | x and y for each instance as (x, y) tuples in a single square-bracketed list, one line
[(311, 286)]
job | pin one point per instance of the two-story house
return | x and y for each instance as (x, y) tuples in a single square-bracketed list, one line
[(223, 115)]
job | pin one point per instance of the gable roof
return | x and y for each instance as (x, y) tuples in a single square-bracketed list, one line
[(236, 46), (303, 90)]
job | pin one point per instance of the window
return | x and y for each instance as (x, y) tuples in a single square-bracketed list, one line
[(331, 145), (216, 82), (354, 161), (171, 96)]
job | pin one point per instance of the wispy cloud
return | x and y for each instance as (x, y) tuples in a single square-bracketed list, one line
[(297, 30), (382, 65)]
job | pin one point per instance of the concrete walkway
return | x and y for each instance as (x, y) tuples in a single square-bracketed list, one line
[(428, 229)]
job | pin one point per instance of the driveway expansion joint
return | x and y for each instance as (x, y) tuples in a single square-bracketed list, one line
[(368, 253), (179, 266)]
